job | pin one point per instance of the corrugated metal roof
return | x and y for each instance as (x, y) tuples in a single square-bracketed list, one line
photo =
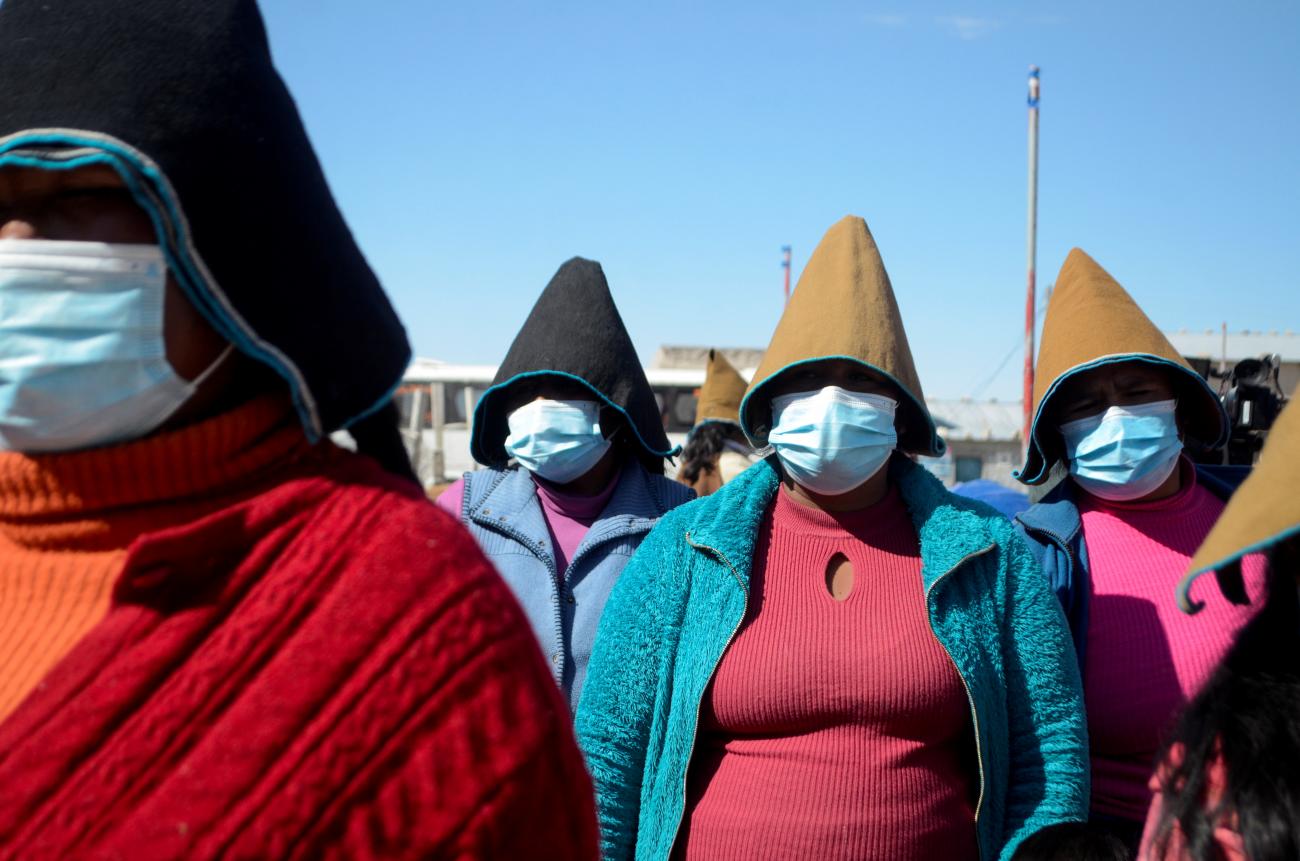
[(1241, 345), (672, 356), (967, 419)]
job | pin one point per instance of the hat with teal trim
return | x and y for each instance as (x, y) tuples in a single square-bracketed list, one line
[(720, 396), (1091, 322), (844, 308), (1263, 512), (574, 331), (181, 99)]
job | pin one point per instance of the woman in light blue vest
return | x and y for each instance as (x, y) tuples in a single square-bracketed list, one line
[(574, 446)]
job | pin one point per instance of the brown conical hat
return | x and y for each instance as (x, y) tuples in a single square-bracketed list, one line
[(844, 308), (1262, 512), (720, 396), (1092, 321)]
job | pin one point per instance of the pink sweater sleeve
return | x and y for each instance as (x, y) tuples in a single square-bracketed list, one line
[(452, 499)]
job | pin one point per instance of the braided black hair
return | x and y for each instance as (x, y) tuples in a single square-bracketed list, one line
[(706, 442)]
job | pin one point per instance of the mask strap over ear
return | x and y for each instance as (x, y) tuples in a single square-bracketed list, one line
[(216, 363)]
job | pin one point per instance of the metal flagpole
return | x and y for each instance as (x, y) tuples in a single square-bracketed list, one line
[(785, 264), (1033, 252)]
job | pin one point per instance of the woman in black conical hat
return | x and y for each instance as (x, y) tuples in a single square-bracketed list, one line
[(222, 636), (574, 447)]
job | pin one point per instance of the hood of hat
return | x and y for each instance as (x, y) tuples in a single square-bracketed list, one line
[(844, 308)]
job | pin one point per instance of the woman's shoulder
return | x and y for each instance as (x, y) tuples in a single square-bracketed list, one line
[(669, 494), (366, 520), (950, 515)]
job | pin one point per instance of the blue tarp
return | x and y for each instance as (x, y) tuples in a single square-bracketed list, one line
[(1004, 499)]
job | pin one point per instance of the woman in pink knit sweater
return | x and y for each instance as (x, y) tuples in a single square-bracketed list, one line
[(1115, 408)]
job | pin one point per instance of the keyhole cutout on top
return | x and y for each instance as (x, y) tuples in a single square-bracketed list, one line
[(839, 576)]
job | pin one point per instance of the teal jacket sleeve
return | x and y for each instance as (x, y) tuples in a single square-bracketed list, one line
[(1048, 780), (618, 701)]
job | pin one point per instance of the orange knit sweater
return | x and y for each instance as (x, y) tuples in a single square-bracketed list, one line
[(66, 521)]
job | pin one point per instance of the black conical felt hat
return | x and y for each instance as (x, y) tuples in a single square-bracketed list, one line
[(181, 98), (574, 331)]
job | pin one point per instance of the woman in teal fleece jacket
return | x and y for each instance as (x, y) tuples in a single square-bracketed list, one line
[(673, 612), (683, 599)]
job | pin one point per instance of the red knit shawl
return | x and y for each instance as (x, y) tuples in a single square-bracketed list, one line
[(327, 669)]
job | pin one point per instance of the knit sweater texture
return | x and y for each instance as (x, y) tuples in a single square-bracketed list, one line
[(797, 757), (682, 597), (66, 522), (1147, 658), (568, 516), (301, 658)]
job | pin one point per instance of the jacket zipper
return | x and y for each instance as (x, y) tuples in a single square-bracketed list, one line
[(690, 753), (970, 700), (1060, 542)]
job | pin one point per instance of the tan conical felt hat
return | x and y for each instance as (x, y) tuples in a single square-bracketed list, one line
[(1092, 321), (1262, 512), (721, 393), (844, 308)]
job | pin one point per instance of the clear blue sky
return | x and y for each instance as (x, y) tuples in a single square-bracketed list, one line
[(476, 146)]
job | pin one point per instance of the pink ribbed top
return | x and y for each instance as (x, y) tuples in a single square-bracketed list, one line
[(1146, 658), (833, 729)]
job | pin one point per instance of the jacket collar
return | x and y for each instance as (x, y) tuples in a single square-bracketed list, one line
[(511, 506), (633, 509), (1055, 514), (726, 522), (950, 529)]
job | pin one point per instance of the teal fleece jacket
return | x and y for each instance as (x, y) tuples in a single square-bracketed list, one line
[(683, 596)]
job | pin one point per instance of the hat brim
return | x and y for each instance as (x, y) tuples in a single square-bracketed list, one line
[(488, 435), (1205, 416), (923, 438)]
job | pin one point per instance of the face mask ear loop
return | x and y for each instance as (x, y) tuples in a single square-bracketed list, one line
[(202, 378)]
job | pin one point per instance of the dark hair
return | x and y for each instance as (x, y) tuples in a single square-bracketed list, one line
[(1072, 841), (706, 442), (378, 437), (1247, 717)]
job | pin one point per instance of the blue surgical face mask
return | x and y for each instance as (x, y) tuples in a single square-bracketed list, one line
[(833, 440), (82, 357), (1124, 453), (556, 440)]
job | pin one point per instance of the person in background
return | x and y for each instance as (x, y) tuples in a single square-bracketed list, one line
[(1116, 405), (716, 450), (570, 434), (1228, 786), (1072, 841), (221, 635), (833, 657)]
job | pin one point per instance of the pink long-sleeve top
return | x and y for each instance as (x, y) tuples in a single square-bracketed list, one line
[(1146, 658)]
